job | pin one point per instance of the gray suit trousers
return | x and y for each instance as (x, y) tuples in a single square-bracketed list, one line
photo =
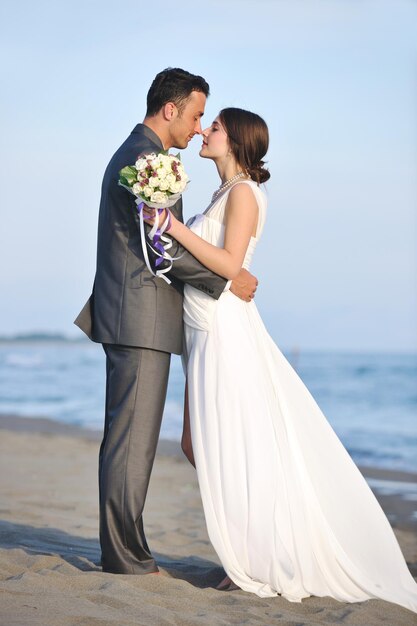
[(136, 387)]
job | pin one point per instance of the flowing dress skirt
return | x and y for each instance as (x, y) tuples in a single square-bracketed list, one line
[(287, 510)]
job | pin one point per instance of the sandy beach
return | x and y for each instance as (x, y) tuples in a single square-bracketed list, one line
[(49, 551)]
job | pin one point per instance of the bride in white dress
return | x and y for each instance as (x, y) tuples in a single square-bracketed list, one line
[(287, 510)]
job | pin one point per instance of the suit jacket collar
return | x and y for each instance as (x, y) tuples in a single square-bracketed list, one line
[(149, 133)]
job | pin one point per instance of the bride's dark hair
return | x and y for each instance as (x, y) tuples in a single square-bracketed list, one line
[(248, 138)]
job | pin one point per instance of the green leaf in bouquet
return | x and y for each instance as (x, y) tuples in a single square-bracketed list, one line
[(128, 175)]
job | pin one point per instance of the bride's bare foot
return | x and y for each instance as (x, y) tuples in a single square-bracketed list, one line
[(224, 583), (227, 584)]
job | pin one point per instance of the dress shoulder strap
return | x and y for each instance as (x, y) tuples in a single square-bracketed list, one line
[(217, 210)]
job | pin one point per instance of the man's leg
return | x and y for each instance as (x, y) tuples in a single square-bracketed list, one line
[(136, 387)]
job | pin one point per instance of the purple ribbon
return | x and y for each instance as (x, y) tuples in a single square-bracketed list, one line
[(156, 239)]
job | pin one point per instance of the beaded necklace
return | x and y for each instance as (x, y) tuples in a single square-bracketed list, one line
[(226, 184)]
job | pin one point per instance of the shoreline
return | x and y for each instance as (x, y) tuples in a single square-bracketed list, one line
[(166, 447)]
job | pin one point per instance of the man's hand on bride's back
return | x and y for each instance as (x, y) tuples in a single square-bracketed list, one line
[(244, 285)]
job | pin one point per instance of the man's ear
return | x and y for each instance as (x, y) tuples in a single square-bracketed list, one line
[(169, 111)]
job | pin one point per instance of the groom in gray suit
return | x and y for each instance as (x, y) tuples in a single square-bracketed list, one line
[(138, 319)]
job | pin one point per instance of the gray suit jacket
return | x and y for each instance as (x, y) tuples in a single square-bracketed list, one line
[(128, 305)]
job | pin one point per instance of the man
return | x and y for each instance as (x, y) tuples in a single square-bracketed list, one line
[(138, 319)]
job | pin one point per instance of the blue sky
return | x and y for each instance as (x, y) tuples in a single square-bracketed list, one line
[(336, 82)]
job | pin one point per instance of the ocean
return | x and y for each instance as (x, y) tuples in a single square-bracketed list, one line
[(369, 399)]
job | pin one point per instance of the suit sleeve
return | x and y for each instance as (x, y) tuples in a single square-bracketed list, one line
[(189, 270)]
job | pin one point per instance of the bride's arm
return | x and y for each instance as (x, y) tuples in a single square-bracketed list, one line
[(241, 217)]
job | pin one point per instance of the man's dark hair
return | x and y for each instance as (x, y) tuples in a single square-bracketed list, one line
[(173, 85)]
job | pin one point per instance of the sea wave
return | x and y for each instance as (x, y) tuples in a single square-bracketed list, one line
[(370, 400)]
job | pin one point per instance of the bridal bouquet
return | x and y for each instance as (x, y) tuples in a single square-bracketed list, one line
[(158, 181)]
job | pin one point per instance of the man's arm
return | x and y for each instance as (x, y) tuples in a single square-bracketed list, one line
[(189, 270)]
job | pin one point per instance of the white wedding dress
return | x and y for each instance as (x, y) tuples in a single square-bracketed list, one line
[(287, 510)]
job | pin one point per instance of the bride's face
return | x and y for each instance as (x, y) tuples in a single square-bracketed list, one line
[(215, 141)]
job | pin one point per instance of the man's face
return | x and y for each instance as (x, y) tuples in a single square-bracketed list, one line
[(187, 123)]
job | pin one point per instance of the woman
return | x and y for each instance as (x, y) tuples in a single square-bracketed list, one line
[(287, 510)]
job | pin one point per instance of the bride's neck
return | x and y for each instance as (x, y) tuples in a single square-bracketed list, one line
[(227, 169)]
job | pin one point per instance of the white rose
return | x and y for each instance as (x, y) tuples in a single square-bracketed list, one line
[(159, 197), (162, 172), (176, 187), (153, 181), (164, 185), (141, 164), (171, 179), (165, 161), (147, 191), (155, 163), (181, 172), (182, 179), (137, 189)]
